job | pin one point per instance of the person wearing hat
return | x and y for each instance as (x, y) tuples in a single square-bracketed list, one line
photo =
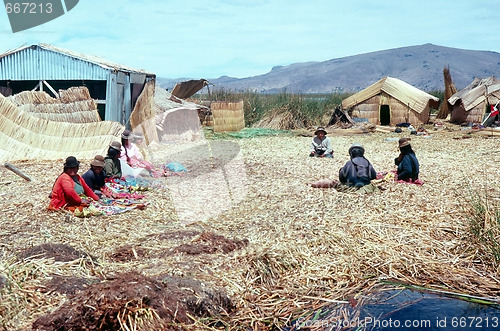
[(131, 154), (407, 162), (321, 145), (129, 151), (94, 177), (138, 140), (112, 165), (68, 188), (358, 171)]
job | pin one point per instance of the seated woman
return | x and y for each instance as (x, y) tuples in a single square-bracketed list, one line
[(321, 146), (358, 171), (408, 166), (112, 165), (129, 150), (68, 188), (94, 177), (138, 141), (131, 154)]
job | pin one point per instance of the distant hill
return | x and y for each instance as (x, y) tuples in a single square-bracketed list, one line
[(421, 66)]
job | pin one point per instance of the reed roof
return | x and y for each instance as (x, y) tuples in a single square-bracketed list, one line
[(477, 92), (407, 94)]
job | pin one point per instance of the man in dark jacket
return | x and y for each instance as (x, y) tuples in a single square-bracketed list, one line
[(358, 171), (408, 166)]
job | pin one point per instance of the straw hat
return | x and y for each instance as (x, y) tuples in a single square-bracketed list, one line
[(320, 129), (116, 145), (404, 142), (98, 161)]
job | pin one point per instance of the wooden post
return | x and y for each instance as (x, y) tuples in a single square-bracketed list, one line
[(17, 171)]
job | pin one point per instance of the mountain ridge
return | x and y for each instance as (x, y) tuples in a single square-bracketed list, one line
[(421, 66)]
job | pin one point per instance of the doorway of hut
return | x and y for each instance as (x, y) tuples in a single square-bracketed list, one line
[(385, 115)]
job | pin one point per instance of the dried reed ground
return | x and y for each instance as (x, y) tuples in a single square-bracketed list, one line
[(307, 247)]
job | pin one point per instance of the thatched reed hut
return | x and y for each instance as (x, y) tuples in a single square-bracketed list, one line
[(391, 101), (473, 102)]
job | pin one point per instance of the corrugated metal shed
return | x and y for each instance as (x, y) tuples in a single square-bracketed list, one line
[(46, 63)]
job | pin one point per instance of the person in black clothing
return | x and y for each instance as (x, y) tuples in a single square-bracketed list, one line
[(358, 171), (94, 177), (407, 162)]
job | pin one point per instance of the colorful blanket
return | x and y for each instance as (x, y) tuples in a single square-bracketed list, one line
[(118, 197)]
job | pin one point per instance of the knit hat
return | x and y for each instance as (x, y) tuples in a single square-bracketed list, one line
[(357, 146), (404, 142), (71, 162), (320, 129), (116, 145), (98, 161)]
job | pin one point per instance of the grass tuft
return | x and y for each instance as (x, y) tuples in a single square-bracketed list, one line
[(483, 215)]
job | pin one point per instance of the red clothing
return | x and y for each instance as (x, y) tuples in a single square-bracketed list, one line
[(64, 194)]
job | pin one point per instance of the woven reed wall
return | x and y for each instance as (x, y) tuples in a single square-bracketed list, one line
[(368, 109), (400, 113), (228, 116), (476, 114)]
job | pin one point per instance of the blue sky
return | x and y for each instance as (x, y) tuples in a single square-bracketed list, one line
[(241, 38)]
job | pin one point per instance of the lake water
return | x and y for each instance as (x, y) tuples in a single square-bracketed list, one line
[(408, 310)]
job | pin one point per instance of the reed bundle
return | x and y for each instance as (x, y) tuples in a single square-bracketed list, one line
[(228, 116), (142, 118), (25, 136)]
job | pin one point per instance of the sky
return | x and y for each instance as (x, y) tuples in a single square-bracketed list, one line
[(243, 38)]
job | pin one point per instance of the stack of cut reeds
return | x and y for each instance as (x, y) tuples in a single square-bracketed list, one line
[(73, 105), (25, 136), (228, 116)]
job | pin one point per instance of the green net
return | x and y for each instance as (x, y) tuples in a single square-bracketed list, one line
[(244, 133)]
